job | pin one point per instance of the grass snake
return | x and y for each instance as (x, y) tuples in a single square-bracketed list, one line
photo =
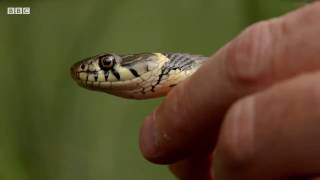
[(135, 76)]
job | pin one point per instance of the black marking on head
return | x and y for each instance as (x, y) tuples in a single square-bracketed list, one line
[(134, 72), (166, 68), (177, 61), (159, 79), (106, 75), (116, 74), (147, 68), (152, 88)]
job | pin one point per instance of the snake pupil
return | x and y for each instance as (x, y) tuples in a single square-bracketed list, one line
[(106, 62)]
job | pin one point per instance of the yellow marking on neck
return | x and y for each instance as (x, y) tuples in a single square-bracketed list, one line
[(162, 58)]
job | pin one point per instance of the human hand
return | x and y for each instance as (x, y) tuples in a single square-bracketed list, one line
[(255, 103)]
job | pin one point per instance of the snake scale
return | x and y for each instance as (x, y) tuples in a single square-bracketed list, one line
[(135, 76)]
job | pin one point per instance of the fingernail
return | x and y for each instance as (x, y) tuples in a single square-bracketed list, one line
[(148, 138)]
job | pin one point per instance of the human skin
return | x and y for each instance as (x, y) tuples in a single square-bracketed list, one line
[(255, 104)]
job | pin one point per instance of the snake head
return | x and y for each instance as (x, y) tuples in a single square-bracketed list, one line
[(121, 75), (91, 69)]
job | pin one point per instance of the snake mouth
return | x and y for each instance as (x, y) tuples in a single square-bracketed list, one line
[(103, 81), (84, 78), (75, 72), (85, 71), (80, 76)]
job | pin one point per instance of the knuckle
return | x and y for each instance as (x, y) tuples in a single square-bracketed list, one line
[(236, 141), (249, 57)]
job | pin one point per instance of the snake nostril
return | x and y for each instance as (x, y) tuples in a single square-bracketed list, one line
[(82, 66)]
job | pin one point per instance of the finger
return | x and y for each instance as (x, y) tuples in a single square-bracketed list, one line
[(193, 168), (272, 134), (188, 120)]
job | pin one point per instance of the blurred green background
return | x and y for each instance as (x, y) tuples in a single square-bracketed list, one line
[(51, 129)]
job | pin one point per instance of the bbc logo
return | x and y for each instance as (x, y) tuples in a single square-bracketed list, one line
[(19, 10)]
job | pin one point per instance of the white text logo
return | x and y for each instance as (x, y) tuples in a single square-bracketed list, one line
[(18, 10)]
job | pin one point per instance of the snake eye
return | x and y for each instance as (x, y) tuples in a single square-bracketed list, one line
[(106, 62)]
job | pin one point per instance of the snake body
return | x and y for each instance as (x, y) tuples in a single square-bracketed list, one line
[(135, 76)]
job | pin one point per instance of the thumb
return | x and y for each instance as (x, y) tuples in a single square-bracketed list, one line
[(189, 118)]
